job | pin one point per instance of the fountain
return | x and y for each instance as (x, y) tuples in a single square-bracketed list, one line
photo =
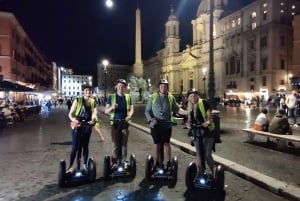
[(139, 89)]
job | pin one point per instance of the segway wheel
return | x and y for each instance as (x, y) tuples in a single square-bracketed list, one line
[(132, 166), (92, 169), (62, 174), (174, 172), (148, 167), (106, 167), (190, 175), (219, 178)]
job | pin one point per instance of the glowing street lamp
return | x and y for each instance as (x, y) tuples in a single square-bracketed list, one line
[(105, 64)]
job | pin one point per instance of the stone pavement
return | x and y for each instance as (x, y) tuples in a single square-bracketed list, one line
[(274, 170)]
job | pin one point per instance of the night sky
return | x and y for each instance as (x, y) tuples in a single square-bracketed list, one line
[(79, 33)]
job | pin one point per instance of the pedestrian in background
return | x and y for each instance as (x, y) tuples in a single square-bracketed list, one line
[(292, 103), (262, 122), (280, 125)]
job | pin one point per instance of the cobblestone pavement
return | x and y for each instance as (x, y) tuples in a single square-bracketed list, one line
[(30, 153)]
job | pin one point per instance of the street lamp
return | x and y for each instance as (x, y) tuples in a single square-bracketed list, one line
[(105, 63), (203, 80)]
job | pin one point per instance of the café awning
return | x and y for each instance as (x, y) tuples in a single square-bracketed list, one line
[(10, 86)]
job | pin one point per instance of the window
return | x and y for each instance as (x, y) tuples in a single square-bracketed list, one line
[(265, 14), (282, 41), (233, 23), (227, 68), (191, 83), (263, 41), (232, 65), (281, 82), (252, 44), (238, 66), (252, 66), (282, 64), (253, 20), (264, 63), (264, 81)]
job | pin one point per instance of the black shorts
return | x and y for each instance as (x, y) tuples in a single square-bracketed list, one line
[(161, 133)]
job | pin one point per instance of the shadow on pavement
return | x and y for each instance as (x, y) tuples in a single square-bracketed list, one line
[(273, 146), (207, 195), (61, 143)]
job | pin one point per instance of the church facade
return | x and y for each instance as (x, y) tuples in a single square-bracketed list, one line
[(252, 50)]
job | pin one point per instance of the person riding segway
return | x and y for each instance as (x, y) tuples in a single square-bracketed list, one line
[(201, 129), (119, 106), (83, 115), (159, 111)]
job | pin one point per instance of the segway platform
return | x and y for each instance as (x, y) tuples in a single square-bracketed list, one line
[(78, 175), (206, 180), (152, 172), (119, 169)]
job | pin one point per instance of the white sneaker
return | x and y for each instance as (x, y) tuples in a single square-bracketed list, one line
[(84, 168), (296, 125)]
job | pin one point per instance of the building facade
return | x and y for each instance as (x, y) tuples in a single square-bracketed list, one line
[(253, 48), (20, 60), (72, 84)]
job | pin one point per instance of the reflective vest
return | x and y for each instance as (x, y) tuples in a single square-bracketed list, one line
[(113, 101), (79, 105), (170, 98), (211, 126)]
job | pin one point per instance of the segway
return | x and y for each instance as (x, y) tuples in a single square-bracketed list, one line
[(119, 168), (78, 175), (161, 172), (203, 180)]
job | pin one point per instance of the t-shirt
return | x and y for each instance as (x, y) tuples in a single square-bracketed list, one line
[(121, 110), (261, 119)]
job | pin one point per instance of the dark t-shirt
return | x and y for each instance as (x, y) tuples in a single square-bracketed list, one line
[(121, 110)]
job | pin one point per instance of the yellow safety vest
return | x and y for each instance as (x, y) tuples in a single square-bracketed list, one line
[(79, 105), (113, 101), (211, 126), (170, 98)]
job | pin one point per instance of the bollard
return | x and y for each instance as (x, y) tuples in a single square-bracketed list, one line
[(217, 131)]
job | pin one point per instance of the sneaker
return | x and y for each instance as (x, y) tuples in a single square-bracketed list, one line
[(290, 144), (296, 125), (84, 168)]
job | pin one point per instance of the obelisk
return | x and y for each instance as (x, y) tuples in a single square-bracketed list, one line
[(138, 66)]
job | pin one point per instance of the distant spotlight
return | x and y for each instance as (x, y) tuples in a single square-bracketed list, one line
[(109, 3)]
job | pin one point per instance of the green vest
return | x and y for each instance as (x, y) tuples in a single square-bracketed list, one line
[(211, 126), (79, 105), (113, 101), (170, 98)]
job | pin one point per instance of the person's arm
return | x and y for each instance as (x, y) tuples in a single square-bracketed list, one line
[(177, 109), (72, 111), (148, 110)]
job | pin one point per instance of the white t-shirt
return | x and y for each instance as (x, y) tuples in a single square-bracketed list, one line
[(261, 119)]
